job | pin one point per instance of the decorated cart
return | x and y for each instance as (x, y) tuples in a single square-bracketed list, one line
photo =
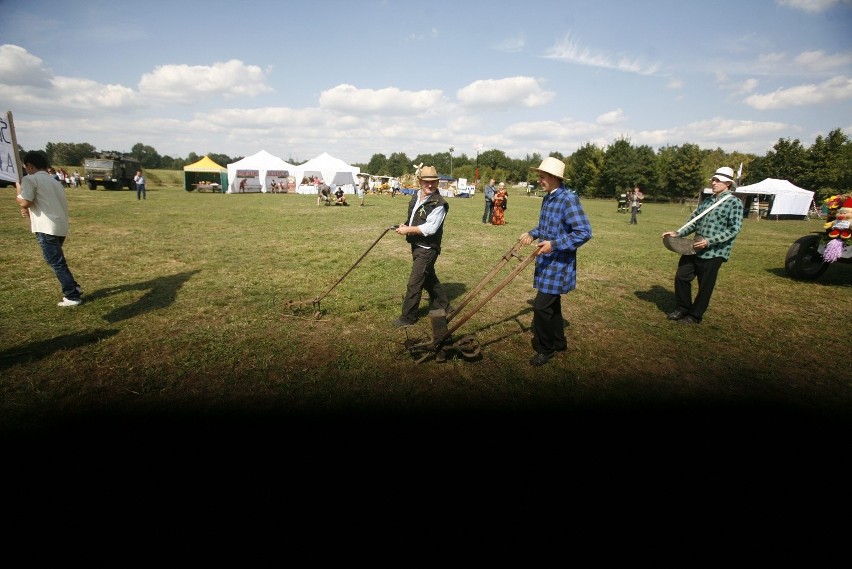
[(811, 255)]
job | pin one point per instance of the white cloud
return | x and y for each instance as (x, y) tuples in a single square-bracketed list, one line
[(813, 6), (511, 44), (833, 90), (613, 117), (349, 99), (190, 83), (20, 68), (819, 61), (505, 93), (569, 51)]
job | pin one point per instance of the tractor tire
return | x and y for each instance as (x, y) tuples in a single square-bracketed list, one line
[(803, 262)]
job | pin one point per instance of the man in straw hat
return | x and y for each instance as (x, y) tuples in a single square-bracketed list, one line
[(424, 229), (562, 228), (715, 234)]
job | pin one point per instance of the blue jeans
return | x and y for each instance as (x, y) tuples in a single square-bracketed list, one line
[(51, 248), (140, 191)]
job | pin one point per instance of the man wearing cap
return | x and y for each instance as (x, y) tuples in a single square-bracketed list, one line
[(562, 228), (715, 234), (424, 229)]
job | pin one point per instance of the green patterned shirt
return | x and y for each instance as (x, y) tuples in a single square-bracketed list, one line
[(720, 227)]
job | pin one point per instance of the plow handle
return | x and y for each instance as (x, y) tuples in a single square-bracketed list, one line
[(323, 295)]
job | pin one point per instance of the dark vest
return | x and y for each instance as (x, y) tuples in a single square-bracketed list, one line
[(432, 241)]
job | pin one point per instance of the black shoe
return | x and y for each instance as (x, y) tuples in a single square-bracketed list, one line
[(676, 315), (688, 319), (400, 323), (541, 359)]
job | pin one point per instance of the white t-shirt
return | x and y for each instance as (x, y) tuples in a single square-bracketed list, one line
[(49, 209)]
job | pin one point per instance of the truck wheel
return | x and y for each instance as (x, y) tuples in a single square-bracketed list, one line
[(92, 185), (803, 262)]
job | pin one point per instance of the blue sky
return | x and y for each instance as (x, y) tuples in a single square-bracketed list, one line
[(360, 77)]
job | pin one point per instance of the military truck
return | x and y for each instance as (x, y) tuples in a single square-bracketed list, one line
[(111, 170)]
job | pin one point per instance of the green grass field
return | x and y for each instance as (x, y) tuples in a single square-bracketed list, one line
[(189, 307)]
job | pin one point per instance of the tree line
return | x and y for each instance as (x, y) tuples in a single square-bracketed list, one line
[(669, 173)]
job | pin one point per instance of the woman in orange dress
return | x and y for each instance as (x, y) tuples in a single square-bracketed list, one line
[(500, 203)]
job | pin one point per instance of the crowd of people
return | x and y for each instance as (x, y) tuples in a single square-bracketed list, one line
[(63, 177), (562, 228)]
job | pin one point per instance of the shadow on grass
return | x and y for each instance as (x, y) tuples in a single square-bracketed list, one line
[(36, 351), (838, 274), (662, 297), (161, 292)]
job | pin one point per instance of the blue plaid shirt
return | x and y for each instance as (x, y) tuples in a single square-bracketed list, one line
[(563, 222), (720, 227)]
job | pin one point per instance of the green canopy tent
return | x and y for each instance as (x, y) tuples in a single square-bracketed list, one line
[(206, 174)]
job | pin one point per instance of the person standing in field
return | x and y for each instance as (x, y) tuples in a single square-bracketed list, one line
[(140, 185), (501, 200), (362, 190), (423, 230), (489, 202), (634, 199), (562, 228), (42, 200), (715, 234)]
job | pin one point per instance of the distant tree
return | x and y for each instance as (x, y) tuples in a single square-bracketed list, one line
[(789, 161), (169, 163), (68, 153), (829, 165), (585, 169), (619, 169), (645, 169), (223, 159), (397, 165), (680, 171), (147, 155), (376, 164)]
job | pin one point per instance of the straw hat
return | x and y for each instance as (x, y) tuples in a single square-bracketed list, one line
[(552, 166), (428, 173)]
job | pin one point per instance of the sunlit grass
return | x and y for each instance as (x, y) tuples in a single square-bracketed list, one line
[(187, 293)]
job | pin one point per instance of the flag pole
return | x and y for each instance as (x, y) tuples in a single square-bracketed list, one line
[(14, 144)]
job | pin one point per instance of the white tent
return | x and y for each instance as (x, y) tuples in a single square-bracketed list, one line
[(254, 170), (787, 198), (333, 171)]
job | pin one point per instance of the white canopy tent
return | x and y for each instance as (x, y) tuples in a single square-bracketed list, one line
[(787, 198), (333, 171), (254, 168)]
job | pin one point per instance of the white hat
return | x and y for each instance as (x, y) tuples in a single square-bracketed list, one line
[(726, 175), (552, 166)]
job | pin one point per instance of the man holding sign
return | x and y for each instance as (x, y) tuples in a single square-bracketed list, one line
[(42, 200)]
